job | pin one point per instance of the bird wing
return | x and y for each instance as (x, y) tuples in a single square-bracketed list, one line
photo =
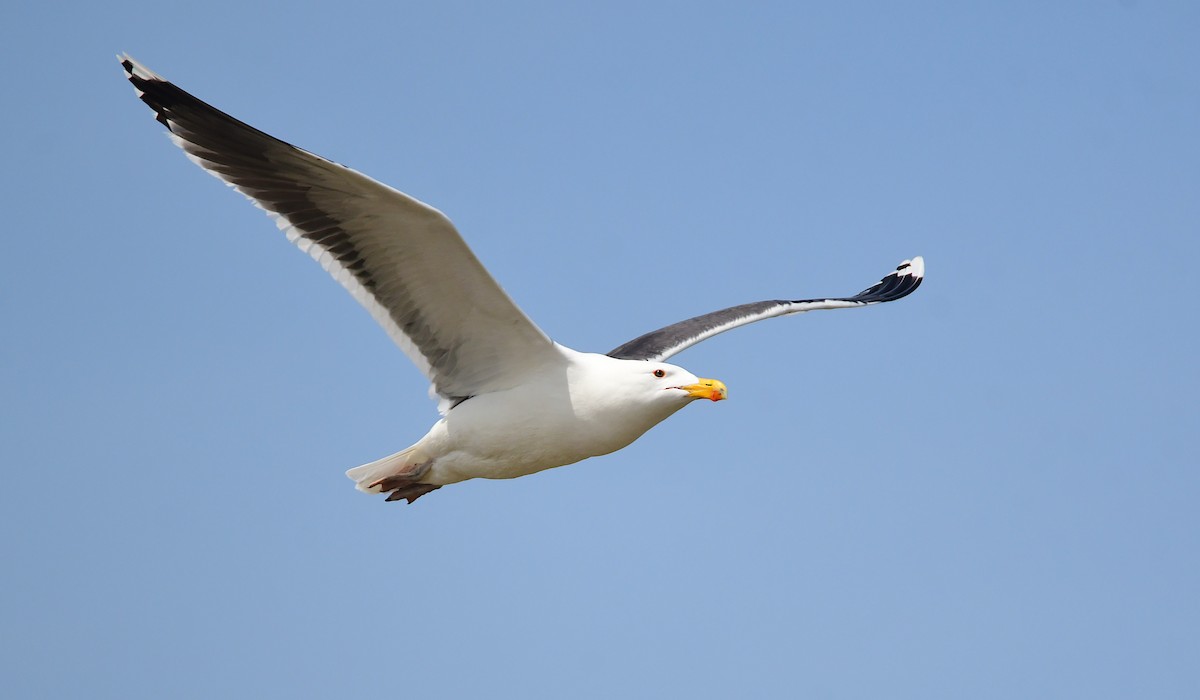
[(660, 344), (400, 258)]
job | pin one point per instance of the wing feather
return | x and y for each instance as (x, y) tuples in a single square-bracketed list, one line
[(400, 258), (658, 345)]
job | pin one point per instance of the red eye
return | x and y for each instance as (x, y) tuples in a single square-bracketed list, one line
[(659, 373)]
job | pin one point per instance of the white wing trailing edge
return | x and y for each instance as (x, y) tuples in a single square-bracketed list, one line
[(658, 345), (400, 258)]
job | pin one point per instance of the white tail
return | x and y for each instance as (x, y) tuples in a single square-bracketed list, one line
[(379, 469)]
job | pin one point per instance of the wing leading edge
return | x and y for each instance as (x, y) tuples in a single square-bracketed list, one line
[(658, 345), (400, 258)]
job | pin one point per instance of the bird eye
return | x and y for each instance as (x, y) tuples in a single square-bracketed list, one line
[(659, 373)]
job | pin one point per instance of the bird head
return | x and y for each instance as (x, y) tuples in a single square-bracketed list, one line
[(678, 383)]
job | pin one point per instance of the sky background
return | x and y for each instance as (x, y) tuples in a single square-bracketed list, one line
[(986, 490)]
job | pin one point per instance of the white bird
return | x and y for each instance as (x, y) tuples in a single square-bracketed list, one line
[(513, 402)]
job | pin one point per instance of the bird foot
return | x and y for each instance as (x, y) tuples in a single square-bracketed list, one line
[(411, 492), (406, 484)]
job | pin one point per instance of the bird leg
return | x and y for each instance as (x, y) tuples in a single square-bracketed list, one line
[(411, 492), (405, 484)]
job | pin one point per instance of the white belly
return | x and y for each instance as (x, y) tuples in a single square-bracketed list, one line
[(531, 428)]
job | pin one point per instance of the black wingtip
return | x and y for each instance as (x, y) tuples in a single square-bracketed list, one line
[(136, 72), (903, 281), (189, 117), (158, 93)]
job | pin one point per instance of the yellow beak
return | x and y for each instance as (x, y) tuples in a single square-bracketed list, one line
[(711, 389)]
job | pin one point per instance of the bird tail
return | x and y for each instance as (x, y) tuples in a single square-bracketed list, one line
[(367, 478)]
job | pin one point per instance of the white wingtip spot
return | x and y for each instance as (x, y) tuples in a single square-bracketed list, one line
[(916, 267), (137, 70)]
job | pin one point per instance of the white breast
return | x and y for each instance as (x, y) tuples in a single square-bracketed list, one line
[(588, 407)]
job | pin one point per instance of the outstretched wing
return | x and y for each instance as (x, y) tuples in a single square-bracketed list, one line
[(401, 259), (660, 344)]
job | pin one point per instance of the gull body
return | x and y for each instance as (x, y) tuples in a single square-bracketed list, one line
[(513, 402), (589, 405)]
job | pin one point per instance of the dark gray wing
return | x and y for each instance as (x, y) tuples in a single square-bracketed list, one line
[(401, 259), (660, 344)]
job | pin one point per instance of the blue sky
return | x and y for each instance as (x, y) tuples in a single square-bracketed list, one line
[(986, 490)]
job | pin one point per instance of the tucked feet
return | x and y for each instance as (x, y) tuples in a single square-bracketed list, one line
[(406, 484), (410, 493)]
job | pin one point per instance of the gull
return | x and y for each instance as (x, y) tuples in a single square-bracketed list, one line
[(512, 401)]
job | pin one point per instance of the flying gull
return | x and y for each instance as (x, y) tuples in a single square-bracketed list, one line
[(513, 401)]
